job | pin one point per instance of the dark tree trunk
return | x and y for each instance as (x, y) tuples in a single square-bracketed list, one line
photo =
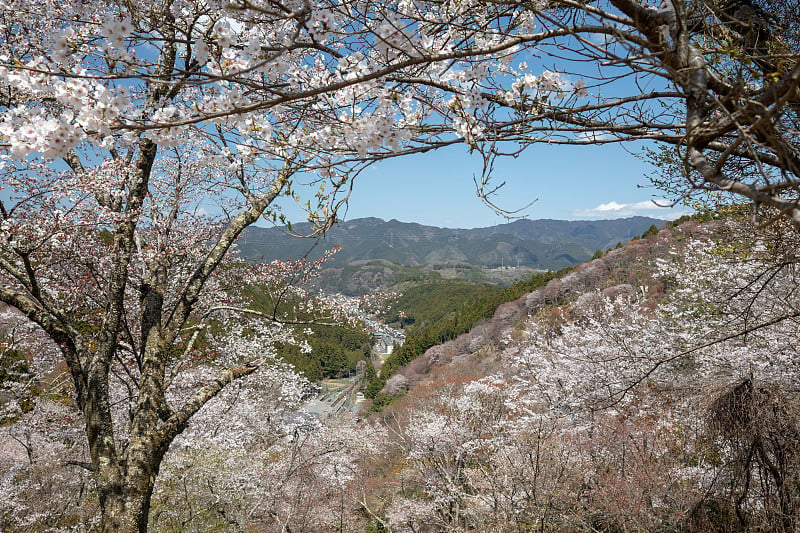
[(125, 511), (125, 506)]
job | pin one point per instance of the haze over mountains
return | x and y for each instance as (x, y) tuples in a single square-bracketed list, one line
[(538, 244)]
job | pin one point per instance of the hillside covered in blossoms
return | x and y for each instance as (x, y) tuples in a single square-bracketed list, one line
[(652, 389)]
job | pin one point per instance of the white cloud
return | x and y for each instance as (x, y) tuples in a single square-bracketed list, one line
[(614, 209)]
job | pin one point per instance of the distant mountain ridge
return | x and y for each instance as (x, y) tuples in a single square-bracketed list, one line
[(540, 244)]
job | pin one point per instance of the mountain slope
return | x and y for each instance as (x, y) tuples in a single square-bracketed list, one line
[(598, 403), (540, 244)]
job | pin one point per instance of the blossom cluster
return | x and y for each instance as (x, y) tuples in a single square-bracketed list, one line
[(244, 48)]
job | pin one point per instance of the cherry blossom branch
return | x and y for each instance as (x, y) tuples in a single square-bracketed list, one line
[(178, 420), (622, 394)]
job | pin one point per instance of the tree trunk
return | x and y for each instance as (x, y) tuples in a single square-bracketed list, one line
[(125, 487), (119, 514), (126, 509)]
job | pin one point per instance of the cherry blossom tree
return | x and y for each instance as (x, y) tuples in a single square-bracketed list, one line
[(140, 140), (45, 482), (305, 479), (485, 458)]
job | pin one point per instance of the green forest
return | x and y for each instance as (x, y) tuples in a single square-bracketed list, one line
[(439, 312)]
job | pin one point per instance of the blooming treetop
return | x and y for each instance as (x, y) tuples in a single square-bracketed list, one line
[(318, 79)]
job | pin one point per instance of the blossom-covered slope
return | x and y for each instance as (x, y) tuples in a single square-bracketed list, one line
[(650, 389)]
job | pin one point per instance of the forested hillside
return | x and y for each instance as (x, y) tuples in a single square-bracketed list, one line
[(538, 244), (444, 312), (364, 277)]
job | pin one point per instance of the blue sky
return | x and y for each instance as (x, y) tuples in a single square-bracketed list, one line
[(567, 182), (570, 182)]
